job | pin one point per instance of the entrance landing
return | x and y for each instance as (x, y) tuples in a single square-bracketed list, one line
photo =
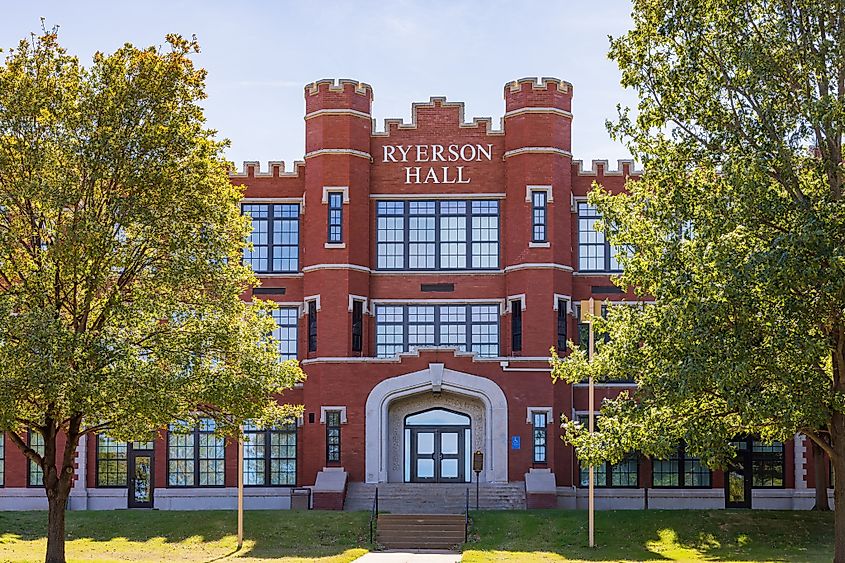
[(434, 498)]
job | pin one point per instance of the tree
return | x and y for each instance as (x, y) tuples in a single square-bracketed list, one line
[(738, 233), (120, 273)]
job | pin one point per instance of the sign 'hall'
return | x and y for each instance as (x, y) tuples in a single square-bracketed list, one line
[(422, 272)]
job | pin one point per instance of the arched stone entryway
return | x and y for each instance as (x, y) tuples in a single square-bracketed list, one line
[(392, 399)]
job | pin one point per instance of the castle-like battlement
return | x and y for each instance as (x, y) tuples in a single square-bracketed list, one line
[(624, 167), (275, 169), (341, 85), (437, 102), (534, 83)]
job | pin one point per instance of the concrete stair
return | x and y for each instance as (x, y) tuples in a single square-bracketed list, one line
[(421, 531), (434, 498)]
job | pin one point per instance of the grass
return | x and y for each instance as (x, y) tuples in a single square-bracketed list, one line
[(146, 536), (339, 537), (654, 535)]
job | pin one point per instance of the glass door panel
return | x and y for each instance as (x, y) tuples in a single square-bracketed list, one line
[(140, 480)]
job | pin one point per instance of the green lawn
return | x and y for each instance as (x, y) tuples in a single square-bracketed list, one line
[(141, 536), (335, 537), (654, 535)]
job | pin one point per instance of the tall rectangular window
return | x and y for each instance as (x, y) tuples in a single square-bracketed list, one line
[(285, 333), (622, 474), (562, 306), (767, 465), (538, 216), (539, 420), (2, 459), (357, 325), (274, 237), (269, 455), (35, 475), (516, 326), (437, 235), (333, 436), (402, 328), (312, 326), (195, 457), (595, 254), (680, 470), (111, 462), (335, 219)]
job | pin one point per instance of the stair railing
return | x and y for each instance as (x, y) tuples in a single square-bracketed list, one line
[(466, 518), (374, 515)]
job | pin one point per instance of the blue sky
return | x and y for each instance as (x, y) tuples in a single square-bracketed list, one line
[(259, 55)]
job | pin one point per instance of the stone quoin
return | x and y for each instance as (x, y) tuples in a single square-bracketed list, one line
[(422, 271)]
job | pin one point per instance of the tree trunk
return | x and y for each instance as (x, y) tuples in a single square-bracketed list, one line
[(820, 476), (56, 527), (839, 514)]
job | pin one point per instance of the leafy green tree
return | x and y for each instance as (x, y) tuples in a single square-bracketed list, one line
[(120, 277), (738, 232)]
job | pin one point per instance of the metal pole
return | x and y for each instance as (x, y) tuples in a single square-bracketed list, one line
[(240, 486), (477, 475), (592, 500)]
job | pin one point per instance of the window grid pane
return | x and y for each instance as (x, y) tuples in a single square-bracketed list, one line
[(2, 459), (540, 436), (274, 237), (180, 456), (111, 462), (431, 235), (333, 436), (335, 219), (401, 328), (538, 216), (283, 456), (287, 319), (36, 474), (767, 464)]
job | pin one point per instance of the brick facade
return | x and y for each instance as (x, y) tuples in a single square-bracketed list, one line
[(345, 153)]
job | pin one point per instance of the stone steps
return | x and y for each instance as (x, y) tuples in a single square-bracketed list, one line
[(434, 498), (421, 531)]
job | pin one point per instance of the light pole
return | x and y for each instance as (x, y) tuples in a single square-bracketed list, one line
[(240, 486), (588, 311)]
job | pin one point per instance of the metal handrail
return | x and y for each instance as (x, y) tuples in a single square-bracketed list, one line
[(374, 515), (466, 519)]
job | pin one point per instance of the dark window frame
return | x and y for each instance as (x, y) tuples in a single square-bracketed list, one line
[(437, 323), (333, 436), (195, 433), (2, 459), (586, 214), (357, 325), (97, 461), (268, 457), (680, 456), (289, 321), (768, 456), (540, 430), (516, 325), (275, 219), (437, 214), (562, 324), (539, 216), (334, 219), (31, 467), (608, 468), (312, 325)]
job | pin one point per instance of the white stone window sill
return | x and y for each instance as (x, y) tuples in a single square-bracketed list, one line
[(539, 245), (335, 245)]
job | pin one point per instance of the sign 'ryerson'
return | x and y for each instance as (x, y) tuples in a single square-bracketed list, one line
[(433, 173)]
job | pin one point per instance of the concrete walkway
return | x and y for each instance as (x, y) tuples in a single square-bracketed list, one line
[(421, 556)]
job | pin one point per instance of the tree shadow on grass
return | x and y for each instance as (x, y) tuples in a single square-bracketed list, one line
[(717, 535), (268, 534)]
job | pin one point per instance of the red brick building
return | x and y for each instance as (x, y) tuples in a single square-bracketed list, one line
[(423, 271)]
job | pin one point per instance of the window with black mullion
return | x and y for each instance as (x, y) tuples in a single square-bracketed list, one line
[(538, 216), (335, 218), (516, 325)]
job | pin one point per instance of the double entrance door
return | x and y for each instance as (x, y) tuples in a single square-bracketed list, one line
[(438, 454), (140, 475)]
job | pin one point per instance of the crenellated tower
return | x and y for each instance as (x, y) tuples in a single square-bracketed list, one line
[(337, 186), (537, 249)]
